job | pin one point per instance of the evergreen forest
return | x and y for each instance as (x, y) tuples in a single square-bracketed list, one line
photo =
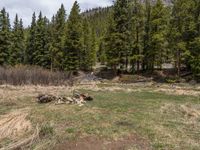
[(131, 36)]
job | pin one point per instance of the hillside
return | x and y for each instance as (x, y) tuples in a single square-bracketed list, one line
[(98, 19)]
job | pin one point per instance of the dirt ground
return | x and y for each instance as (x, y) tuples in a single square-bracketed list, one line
[(93, 143)]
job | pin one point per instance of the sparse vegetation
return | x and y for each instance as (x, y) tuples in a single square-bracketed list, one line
[(46, 130), (157, 119)]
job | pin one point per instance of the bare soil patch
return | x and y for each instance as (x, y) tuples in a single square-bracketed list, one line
[(94, 143)]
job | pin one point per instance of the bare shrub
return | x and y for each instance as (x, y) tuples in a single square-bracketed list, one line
[(32, 75)]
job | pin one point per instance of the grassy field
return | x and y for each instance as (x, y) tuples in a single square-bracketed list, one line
[(117, 119)]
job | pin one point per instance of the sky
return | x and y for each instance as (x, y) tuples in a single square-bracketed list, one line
[(25, 8)]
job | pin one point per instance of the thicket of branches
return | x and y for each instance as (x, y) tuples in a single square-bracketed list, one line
[(32, 75)]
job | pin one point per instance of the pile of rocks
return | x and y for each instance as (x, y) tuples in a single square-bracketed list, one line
[(77, 98)]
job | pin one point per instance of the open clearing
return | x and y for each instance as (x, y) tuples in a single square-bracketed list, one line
[(121, 117)]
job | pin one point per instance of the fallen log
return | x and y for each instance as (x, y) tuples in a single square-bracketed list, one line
[(43, 98), (77, 98), (86, 97)]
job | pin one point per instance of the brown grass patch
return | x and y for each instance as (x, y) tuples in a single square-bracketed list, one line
[(14, 124), (31, 75), (189, 112)]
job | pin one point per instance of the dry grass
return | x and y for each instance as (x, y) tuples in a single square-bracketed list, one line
[(190, 113), (178, 91), (165, 120), (187, 118), (31, 75), (14, 124)]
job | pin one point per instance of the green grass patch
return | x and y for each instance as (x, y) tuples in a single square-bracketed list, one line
[(157, 117)]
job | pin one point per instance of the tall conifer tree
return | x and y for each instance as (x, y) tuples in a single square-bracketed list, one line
[(5, 36), (158, 23), (18, 45), (87, 46), (194, 38), (180, 25), (58, 38), (94, 49), (119, 32), (31, 42), (137, 28), (41, 54), (73, 42), (147, 29)]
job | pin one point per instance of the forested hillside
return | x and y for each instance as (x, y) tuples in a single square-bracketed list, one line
[(131, 36)]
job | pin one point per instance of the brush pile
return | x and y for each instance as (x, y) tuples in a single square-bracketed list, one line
[(77, 98)]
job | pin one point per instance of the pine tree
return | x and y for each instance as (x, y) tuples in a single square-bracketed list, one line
[(52, 49), (137, 28), (195, 56), (23, 44), (181, 31), (58, 38), (111, 54), (119, 36), (94, 49), (31, 42), (158, 23), (41, 55), (87, 46), (193, 33), (101, 53), (122, 31), (98, 19), (88, 52), (18, 45), (4, 37), (73, 42), (147, 30)]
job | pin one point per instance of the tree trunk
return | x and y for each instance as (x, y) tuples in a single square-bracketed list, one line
[(126, 62), (138, 50), (179, 63), (115, 70), (51, 63)]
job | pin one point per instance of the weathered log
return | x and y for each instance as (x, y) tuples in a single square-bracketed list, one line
[(46, 98), (86, 97), (77, 98)]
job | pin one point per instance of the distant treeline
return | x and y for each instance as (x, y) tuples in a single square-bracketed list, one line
[(130, 36)]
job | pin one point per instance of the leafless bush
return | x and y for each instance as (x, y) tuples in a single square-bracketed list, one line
[(23, 75)]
